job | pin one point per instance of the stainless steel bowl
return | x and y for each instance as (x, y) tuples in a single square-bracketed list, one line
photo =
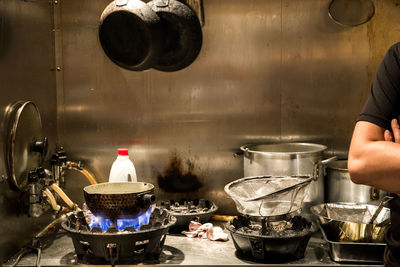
[(349, 222)]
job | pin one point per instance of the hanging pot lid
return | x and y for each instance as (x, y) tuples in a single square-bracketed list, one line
[(25, 144)]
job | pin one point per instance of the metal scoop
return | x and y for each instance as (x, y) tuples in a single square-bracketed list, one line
[(384, 200)]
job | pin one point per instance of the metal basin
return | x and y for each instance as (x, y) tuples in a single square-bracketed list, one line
[(349, 222)]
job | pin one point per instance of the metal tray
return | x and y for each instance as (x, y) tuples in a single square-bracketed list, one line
[(355, 252)]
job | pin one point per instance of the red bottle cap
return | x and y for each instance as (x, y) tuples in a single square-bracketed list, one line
[(122, 152)]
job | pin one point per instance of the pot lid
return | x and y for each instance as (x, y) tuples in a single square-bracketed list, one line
[(25, 145), (284, 148)]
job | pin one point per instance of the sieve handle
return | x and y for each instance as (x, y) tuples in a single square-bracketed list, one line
[(298, 185)]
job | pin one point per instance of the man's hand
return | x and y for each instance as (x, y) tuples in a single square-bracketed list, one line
[(374, 156), (393, 136)]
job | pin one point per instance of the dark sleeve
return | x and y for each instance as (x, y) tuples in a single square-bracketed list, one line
[(383, 103)]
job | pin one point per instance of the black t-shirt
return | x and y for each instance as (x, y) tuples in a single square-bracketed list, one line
[(383, 103), (382, 106)]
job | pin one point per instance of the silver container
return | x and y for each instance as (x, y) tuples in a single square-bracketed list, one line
[(356, 252), (289, 159), (340, 188), (351, 222)]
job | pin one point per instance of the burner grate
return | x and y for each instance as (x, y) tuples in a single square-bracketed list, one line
[(185, 211), (113, 245), (263, 240)]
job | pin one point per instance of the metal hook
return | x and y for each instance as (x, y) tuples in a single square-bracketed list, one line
[(162, 3), (120, 3)]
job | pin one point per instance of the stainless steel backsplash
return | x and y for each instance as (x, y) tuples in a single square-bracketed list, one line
[(26, 73), (268, 71)]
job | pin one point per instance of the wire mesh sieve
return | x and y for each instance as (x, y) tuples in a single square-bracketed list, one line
[(268, 196)]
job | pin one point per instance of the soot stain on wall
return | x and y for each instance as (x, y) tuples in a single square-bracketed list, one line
[(176, 179)]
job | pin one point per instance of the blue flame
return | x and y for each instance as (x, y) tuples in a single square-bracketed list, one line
[(98, 221), (104, 223)]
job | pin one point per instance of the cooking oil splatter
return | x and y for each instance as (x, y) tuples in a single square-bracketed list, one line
[(175, 179)]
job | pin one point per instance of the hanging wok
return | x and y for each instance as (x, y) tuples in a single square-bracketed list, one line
[(119, 200), (181, 33), (130, 34)]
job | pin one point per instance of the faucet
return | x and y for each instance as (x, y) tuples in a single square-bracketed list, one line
[(36, 187), (59, 165)]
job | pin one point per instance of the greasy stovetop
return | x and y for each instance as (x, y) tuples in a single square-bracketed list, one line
[(181, 251)]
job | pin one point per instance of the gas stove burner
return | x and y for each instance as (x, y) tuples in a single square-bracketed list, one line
[(199, 210), (116, 243), (263, 240), (293, 226)]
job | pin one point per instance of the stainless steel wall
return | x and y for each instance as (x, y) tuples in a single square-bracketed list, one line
[(26, 73), (268, 71)]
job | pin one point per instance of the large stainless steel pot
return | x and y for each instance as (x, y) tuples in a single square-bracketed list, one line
[(289, 159), (340, 188)]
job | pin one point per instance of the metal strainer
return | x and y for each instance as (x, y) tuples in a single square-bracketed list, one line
[(268, 196)]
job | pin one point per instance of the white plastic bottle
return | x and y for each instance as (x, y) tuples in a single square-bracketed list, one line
[(122, 170)]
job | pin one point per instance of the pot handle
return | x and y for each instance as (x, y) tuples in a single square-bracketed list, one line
[(321, 166), (374, 193), (238, 154), (241, 152)]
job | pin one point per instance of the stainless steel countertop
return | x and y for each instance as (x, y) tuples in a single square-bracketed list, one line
[(179, 250)]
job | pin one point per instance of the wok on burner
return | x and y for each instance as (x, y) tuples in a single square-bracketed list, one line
[(113, 245), (119, 200)]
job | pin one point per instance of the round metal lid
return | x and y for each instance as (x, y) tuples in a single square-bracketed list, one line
[(25, 145)]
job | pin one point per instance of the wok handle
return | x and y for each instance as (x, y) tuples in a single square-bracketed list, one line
[(146, 199)]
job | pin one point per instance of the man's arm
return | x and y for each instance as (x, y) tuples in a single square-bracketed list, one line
[(373, 159)]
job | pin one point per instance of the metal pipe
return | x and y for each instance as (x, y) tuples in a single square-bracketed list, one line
[(51, 199), (78, 167), (64, 197)]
